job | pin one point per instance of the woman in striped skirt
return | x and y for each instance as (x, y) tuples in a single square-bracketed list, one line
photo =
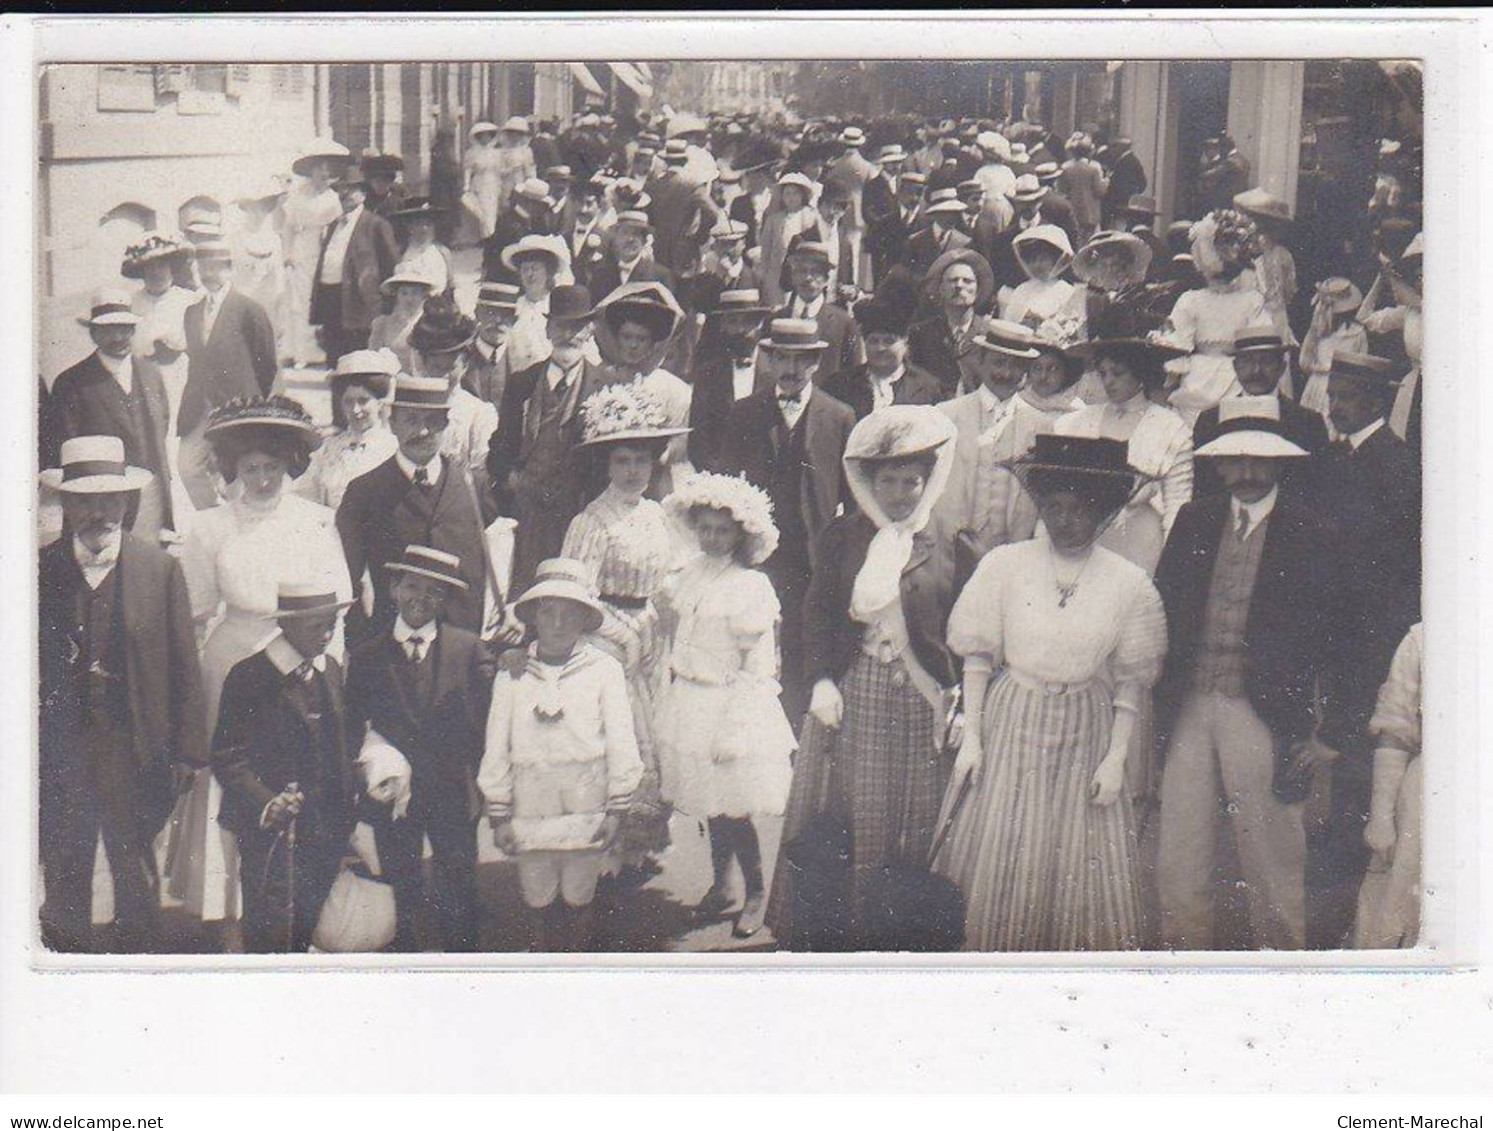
[(883, 678), (1060, 638)]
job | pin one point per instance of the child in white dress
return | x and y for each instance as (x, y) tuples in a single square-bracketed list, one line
[(724, 741), (1044, 254)]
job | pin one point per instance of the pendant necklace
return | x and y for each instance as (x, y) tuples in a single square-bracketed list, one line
[(1066, 592)]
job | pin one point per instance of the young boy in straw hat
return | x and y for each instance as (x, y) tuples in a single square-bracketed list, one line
[(561, 760)]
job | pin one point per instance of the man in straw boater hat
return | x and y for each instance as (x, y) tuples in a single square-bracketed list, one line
[(358, 253), (809, 267), (944, 233), (724, 370), (112, 392), (882, 212), (1127, 177), (1256, 591), (627, 258), (1259, 365), (423, 688), (756, 167), (789, 440), (485, 366), (1370, 483), (561, 761), (535, 468), (230, 353), (418, 497), (122, 723), (285, 759)]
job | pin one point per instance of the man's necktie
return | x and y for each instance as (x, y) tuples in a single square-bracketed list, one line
[(305, 671), (415, 647), (1243, 529), (422, 477)]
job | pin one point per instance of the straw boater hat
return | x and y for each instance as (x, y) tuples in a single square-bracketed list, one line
[(424, 561), (1028, 190), (793, 335), (619, 413), (1089, 264), (814, 250), (480, 128), (1251, 426), (1364, 367), (994, 144), (1049, 234), (110, 307), (683, 125), (442, 327), (305, 598), (151, 247), (676, 151), (634, 218), (320, 149), (1047, 171), (548, 247), (421, 392), (1142, 205), (213, 249), (94, 465), (1010, 338), (375, 370), (533, 189), (561, 579), (559, 173), (914, 179), (260, 415), (743, 300), (406, 277), (944, 201), (852, 137), (891, 154), (1259, 338), (728, 230), (498, 296), (745, 502), (984, 277), (1342, 295)]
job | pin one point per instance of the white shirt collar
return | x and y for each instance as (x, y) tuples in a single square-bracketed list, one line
[(408, 466), (351, 218), (426, 632), (1365, 432), (809, 309), (122, 370), (893, 377), (555, 374), (989, 402), (1258, 511), (286, 659)]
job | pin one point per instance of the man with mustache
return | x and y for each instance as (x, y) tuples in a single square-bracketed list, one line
[(122, 719)]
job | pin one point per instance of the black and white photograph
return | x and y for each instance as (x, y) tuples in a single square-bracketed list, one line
[(734, 507)]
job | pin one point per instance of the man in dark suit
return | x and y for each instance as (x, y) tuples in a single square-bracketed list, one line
[(423, 688), (1035, 204), (1370, 483), (1127, 177), (890, 203), (625, 261), (122, 723), (886, 378), (808, 266), (789, 441), (755, 196), (936, 343), (113, 393), (1252, 582), (358, 253), (528, 214), (419, 497), (282, 755), (230, 353), (1139, 219), (1259, 365), (582, 230), (724, 371), (682, 215), (536, 468), (944, 232)]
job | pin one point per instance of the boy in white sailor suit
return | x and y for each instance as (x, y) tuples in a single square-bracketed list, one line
[(562, 761)]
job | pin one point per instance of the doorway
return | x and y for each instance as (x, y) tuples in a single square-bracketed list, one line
[(1202, 88)]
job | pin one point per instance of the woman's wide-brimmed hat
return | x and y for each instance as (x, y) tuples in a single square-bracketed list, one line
[(745, 502), (1128, 328), (544, 247), (320, 149), (417, 208), (258, 415), (1093, 263), (899, 431), (1341, 295), (153, 247), (793, 335), (94, 465), (109, 307), (406, 277), (516, 125), (375, 370), (1260, 206), (617, 413), (1013, 339), (650, 304), (430, 393), (561, 579), (425, 561), (984, 277), (1083, 458), (296, 598), (442, 327), (1250, 426), (480, 128), (1049, 234)]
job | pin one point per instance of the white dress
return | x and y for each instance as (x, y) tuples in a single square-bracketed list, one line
[(163, 318), (259, 273), (234, 559), (340, 460), (307, 214), (723, 739), (1034, 302), (1204, 322)]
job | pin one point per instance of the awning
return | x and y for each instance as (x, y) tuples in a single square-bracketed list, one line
[(633, 79), (583, 75)]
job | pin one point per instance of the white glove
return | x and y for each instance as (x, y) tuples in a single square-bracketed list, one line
[(970, 757), (826, 704)]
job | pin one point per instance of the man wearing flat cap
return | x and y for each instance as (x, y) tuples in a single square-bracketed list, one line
[(122, 720), (1253, 582), (358, 253)]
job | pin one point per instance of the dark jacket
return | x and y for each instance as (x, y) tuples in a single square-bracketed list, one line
[(711, 396), (838, 327), (236, 360), (442, 735), (931, 582), (1126, 179), (922, 248), (741, 209), (930, 346), (371, 255), (511, 227), (751, 438), (915, 386), (264, 741), (1293, 628), (86, 401), (606, 276), (1302, 427), (382, 512)]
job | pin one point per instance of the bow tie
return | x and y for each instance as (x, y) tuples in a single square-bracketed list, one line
[(422, 477), (1342, 447), (415, 647), (787, 399), (305, 671)]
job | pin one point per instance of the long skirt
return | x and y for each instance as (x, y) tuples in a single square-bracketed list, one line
[(882, 772), (1389, 901), (1041, 867)]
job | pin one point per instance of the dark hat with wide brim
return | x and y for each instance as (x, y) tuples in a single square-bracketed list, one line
[(658, 318), (1157, 349), (442, 328), (257, 414), (1082, 457), (984, 276), (375, 162), (417, 207), (571, 302)]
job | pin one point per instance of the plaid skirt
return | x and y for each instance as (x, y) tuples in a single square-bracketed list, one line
[(882, 772)]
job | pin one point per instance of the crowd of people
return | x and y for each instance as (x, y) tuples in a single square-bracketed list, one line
[(1051, 578)]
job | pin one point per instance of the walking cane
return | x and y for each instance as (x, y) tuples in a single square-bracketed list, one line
[(489, 568), (293, 787), (948, 822)]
